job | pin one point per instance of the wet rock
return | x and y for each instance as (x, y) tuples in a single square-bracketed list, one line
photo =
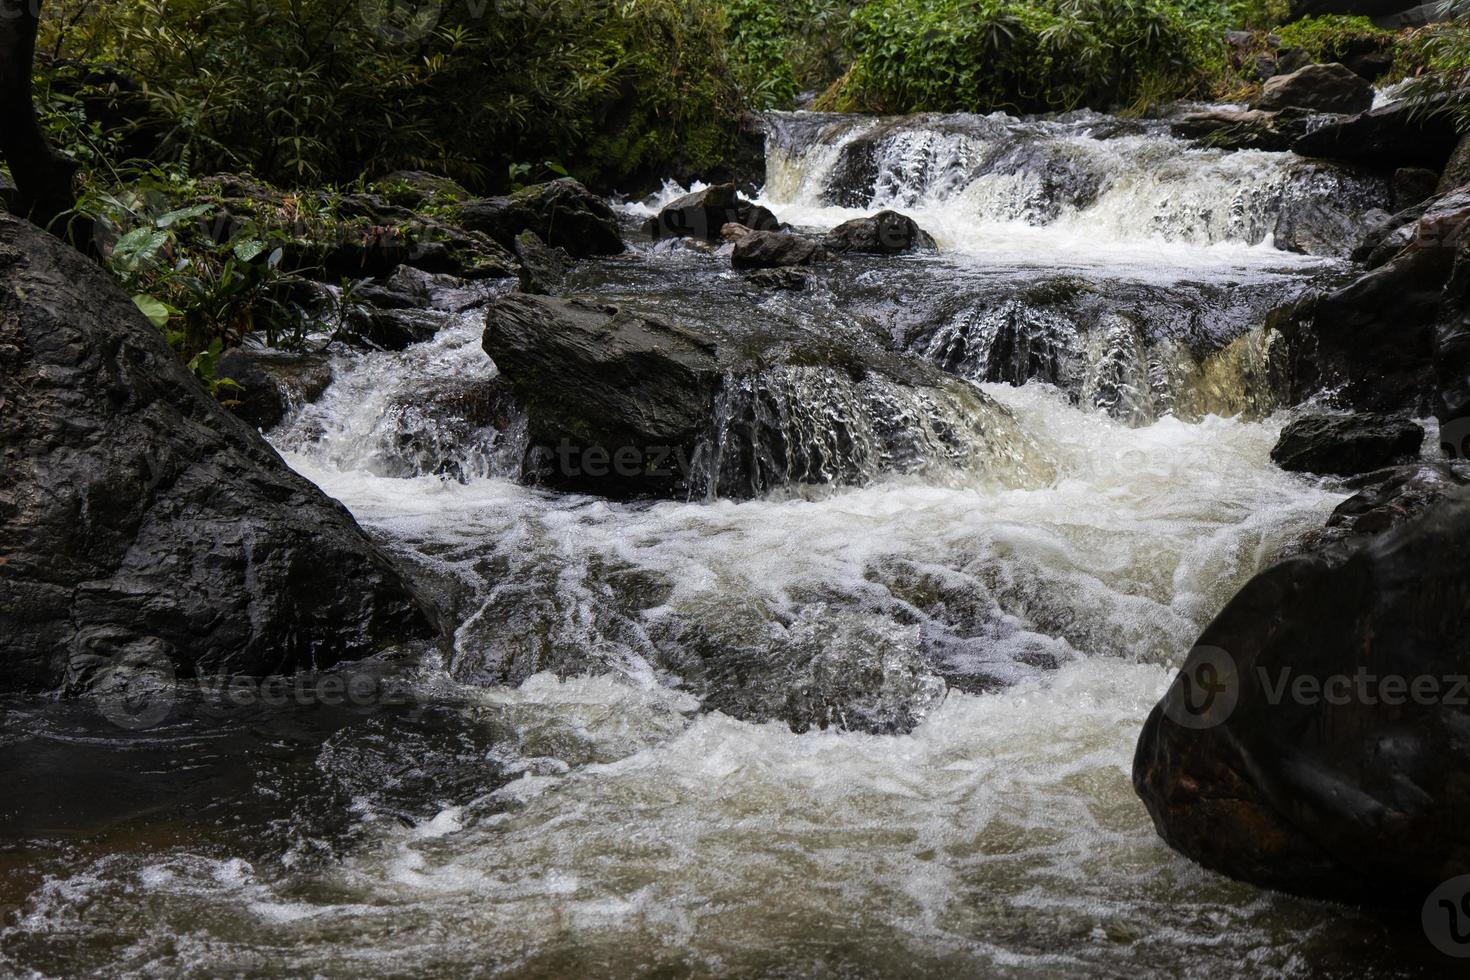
[(1456, 169), (731, 232), (1346, 445), (1386, 138), (1389, 340), (267, 384), (1386, 499), (771, 249), (626, 402), (623, 397), (1370, 65), (1323, 88), (1243, 129), (1314, 741), (1413, 185), (1320, 214), (785, 279), (703, 213), (461, 430), (562, 213), (392, 329), (144, 524), (884, 233), (542, 267)]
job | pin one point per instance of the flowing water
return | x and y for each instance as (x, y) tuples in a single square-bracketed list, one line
[(873, 716)]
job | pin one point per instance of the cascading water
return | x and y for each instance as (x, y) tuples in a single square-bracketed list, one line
[(876, 721)]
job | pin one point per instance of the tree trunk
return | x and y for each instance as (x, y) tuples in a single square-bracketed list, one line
[(42, 176)]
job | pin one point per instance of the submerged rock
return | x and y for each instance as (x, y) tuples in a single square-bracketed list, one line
[(1315, 740), (884, 233), (772, 249), (703, 214), (787, 279), (1323, 88), (1346, 445), (562, 213), (144, 524)]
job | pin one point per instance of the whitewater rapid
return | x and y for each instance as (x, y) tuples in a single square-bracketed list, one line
[(630, 671)]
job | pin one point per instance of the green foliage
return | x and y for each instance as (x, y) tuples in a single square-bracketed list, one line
[(204, 279), (982, 55), (780, 47), (1258, 15), (1436, 59), (311, 91), (1333, 37)]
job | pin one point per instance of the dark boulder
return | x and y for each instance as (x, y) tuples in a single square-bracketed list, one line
[(562, 213), (142, 523), (1386, 138), (543, 267), (884, 233), (1385, 499), (1243, 129), (703, 213), (1322, 209), (772, 249), (627, 402), (1346, 445), (614, 399), (1322, 88), (1413, 185), (1456, 171), (391, 329), (1316, 740), (264, 385)]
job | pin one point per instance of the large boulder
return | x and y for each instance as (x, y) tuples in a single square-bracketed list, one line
[(142, 523), (1346, 445), (774, 249), (703, 213), (562, 213), (1317, 738), (1386, 138), (884, 233), (1323, 88), (629, 402)]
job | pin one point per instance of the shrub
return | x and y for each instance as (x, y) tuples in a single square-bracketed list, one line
[(778, 48), (1333, 37), (311, 91), (982, 55)]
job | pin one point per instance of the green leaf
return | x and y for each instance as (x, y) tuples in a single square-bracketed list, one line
[(137, 246), (248, 249), (183, 214), (157, 311)]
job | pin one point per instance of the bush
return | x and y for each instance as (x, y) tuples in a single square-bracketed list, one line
[(1333, 38), (1436, 59), (779, 48), (312, 91), (982, 55)]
